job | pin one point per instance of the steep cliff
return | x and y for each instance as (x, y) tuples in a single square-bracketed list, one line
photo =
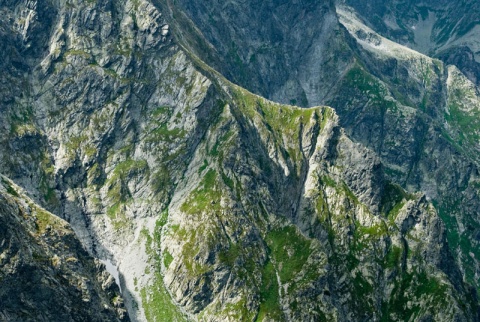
[(288, 51), (45, 273)]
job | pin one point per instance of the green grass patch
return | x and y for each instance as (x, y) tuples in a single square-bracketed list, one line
[(162, 221), (74, 52), (228, 181), (377, 230), (328, 181), (9, 188), (116, 214), (74, 144), (216, 151), (44, 219), (203, 167), (362, 289), (393, 257), (205, 197), (393, 199), (167, 259), (290, 251), (158, 304), (161, 110), (230, 255), (237, 311), (163, 134), (269, 296), (127, 168)]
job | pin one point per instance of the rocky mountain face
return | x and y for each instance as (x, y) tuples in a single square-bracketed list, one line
[(435, 108), (417, 112), (288, 51), (46, 275), (215, 204)]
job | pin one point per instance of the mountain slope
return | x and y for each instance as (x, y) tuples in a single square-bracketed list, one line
[(45, 273), (289, 52), (400, 103), (447, 30), (425, 135), (214, 204)]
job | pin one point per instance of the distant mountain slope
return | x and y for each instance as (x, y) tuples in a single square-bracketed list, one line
[(290, 52), (448, 30)]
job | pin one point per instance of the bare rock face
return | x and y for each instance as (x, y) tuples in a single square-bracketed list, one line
[(288, 51), (212, 203), (46, 275)]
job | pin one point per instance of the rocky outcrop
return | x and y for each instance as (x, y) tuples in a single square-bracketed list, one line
[(45, 273)]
